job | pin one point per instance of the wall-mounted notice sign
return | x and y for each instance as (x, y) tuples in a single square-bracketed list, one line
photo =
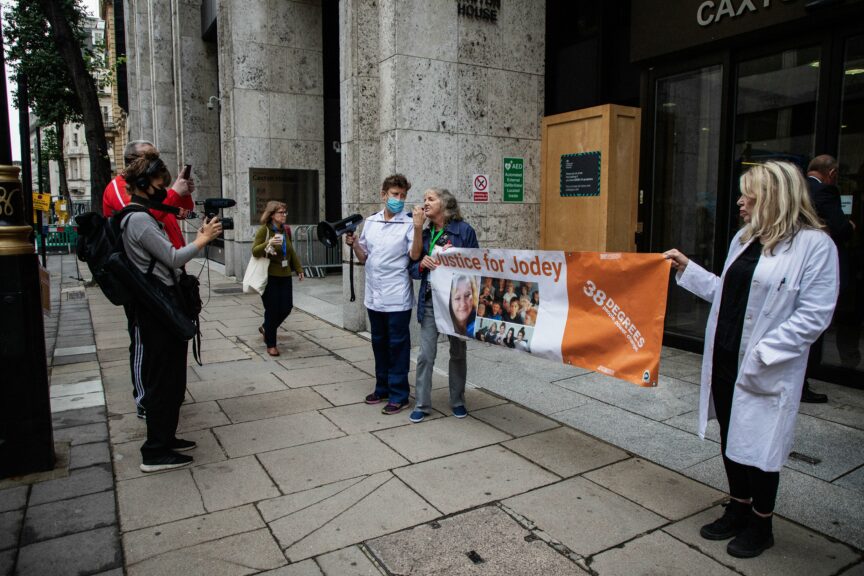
[(41, 202), (480, 186), (580, 174), (514, 179)]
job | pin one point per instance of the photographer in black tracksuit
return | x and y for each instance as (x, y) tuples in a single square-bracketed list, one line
[(162, 355)]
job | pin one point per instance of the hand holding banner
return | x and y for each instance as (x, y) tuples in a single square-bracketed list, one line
[(600, 311)]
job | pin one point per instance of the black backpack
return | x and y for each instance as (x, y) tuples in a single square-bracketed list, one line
[(98, 239)]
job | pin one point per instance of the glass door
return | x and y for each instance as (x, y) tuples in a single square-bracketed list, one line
[(843, 342), (687, 113)]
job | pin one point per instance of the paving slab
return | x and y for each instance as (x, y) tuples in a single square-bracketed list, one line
[(475, 399), (687, 371), (342, 393), (853, 480), (91, 369), (86, 387), (656, 553), (659, 403), (355, 353), (662, 491), (82, 417), (342, 372), (85, 434), (840, 408), (436, 438), (473, 478), (68, 516), (311, 465), (240, 554), (542, 397), (565, 451), (233, 483), (13, 498), (88, 480), (77, 402), (350, 561), (304, 568), (583, 516), (840, 449), (796, 550), (229, 387), (442, 548), (311, 362), (689, 422), (657, 442), (7, 561), (514, 420), (272, 404), (200, 415), (148, 542), (127, 457), (856, 570), (158, 499), (241, 369), (362, 417), (10, 528), (126, 428), (274, 433), (276, 508), (63, 556), (378, 505)]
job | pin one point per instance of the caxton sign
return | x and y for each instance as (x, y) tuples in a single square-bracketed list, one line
[(710, 12)]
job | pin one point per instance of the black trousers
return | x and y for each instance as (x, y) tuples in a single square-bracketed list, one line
[(745, 482), (134, 346), (278, 299), (162, 358)]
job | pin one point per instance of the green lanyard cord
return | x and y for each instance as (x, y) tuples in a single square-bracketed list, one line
[(434, 238)]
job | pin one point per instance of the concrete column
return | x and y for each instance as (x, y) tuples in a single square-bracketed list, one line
[(451, 96), (271, 82)]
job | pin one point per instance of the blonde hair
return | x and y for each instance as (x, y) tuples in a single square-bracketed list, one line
[(471, 281), (271, 207), (782, 206)]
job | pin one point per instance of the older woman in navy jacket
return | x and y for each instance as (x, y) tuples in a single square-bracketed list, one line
[(446, 228), (775, 296)]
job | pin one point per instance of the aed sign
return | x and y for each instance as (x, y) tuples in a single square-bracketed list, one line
[(713, 11)]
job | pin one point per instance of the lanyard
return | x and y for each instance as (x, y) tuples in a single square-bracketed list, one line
[(434, 239)]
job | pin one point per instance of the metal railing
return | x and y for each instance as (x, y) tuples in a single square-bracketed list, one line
[(59, 238), (314, 255)]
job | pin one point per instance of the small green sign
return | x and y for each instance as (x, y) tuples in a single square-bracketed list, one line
[(514, 179)]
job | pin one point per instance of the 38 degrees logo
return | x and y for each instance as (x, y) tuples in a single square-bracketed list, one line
[(619, 317)]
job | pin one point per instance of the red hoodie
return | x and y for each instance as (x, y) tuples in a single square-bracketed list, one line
[(115, 198)]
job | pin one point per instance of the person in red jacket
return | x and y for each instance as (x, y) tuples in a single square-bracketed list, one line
[(114, 198)]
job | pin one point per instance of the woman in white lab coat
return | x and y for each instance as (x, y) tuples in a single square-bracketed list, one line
[(776, 295)]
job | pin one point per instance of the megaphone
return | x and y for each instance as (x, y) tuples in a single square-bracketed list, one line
[(329, 233)]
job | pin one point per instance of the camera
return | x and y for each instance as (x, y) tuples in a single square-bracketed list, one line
[(212, 206)]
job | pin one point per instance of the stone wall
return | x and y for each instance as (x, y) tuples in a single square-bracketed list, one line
[(440, 97), (271, 83)]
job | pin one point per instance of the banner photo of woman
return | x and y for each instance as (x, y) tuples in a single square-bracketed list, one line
[(600, 311)]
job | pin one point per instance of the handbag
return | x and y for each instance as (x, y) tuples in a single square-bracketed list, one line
[(255, 277)]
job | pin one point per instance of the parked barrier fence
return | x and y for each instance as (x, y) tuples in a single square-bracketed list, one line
[(314, 255), (59, 238)]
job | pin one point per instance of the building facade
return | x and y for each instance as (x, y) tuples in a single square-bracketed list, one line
[(314, 102)]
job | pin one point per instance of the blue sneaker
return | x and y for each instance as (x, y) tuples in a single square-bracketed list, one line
[(417, 416), (460, 411)]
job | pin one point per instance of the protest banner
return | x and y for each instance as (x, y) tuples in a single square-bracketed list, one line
[(600, 311)]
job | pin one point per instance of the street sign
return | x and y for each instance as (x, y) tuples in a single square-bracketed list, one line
[(514, 179), (480, 186), (41, 202)]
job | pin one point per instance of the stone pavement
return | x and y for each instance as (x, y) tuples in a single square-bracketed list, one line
[(294, 475)]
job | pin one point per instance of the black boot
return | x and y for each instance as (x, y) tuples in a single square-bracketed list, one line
[(732, 523), (755, 539), (808, 395)]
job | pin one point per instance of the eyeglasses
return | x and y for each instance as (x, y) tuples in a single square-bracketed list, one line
[(280, 212)]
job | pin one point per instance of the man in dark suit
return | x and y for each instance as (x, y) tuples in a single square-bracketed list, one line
[(825, 196)]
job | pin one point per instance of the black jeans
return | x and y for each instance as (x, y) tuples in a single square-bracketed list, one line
[(162, 358), (278, 299), (745, 482)]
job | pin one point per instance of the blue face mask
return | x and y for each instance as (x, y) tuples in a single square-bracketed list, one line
[(395, 206)]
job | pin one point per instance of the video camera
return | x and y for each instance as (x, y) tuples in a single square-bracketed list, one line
[(212, 206)]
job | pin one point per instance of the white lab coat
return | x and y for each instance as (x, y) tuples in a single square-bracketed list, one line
[(387, 244), (791, 301)]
